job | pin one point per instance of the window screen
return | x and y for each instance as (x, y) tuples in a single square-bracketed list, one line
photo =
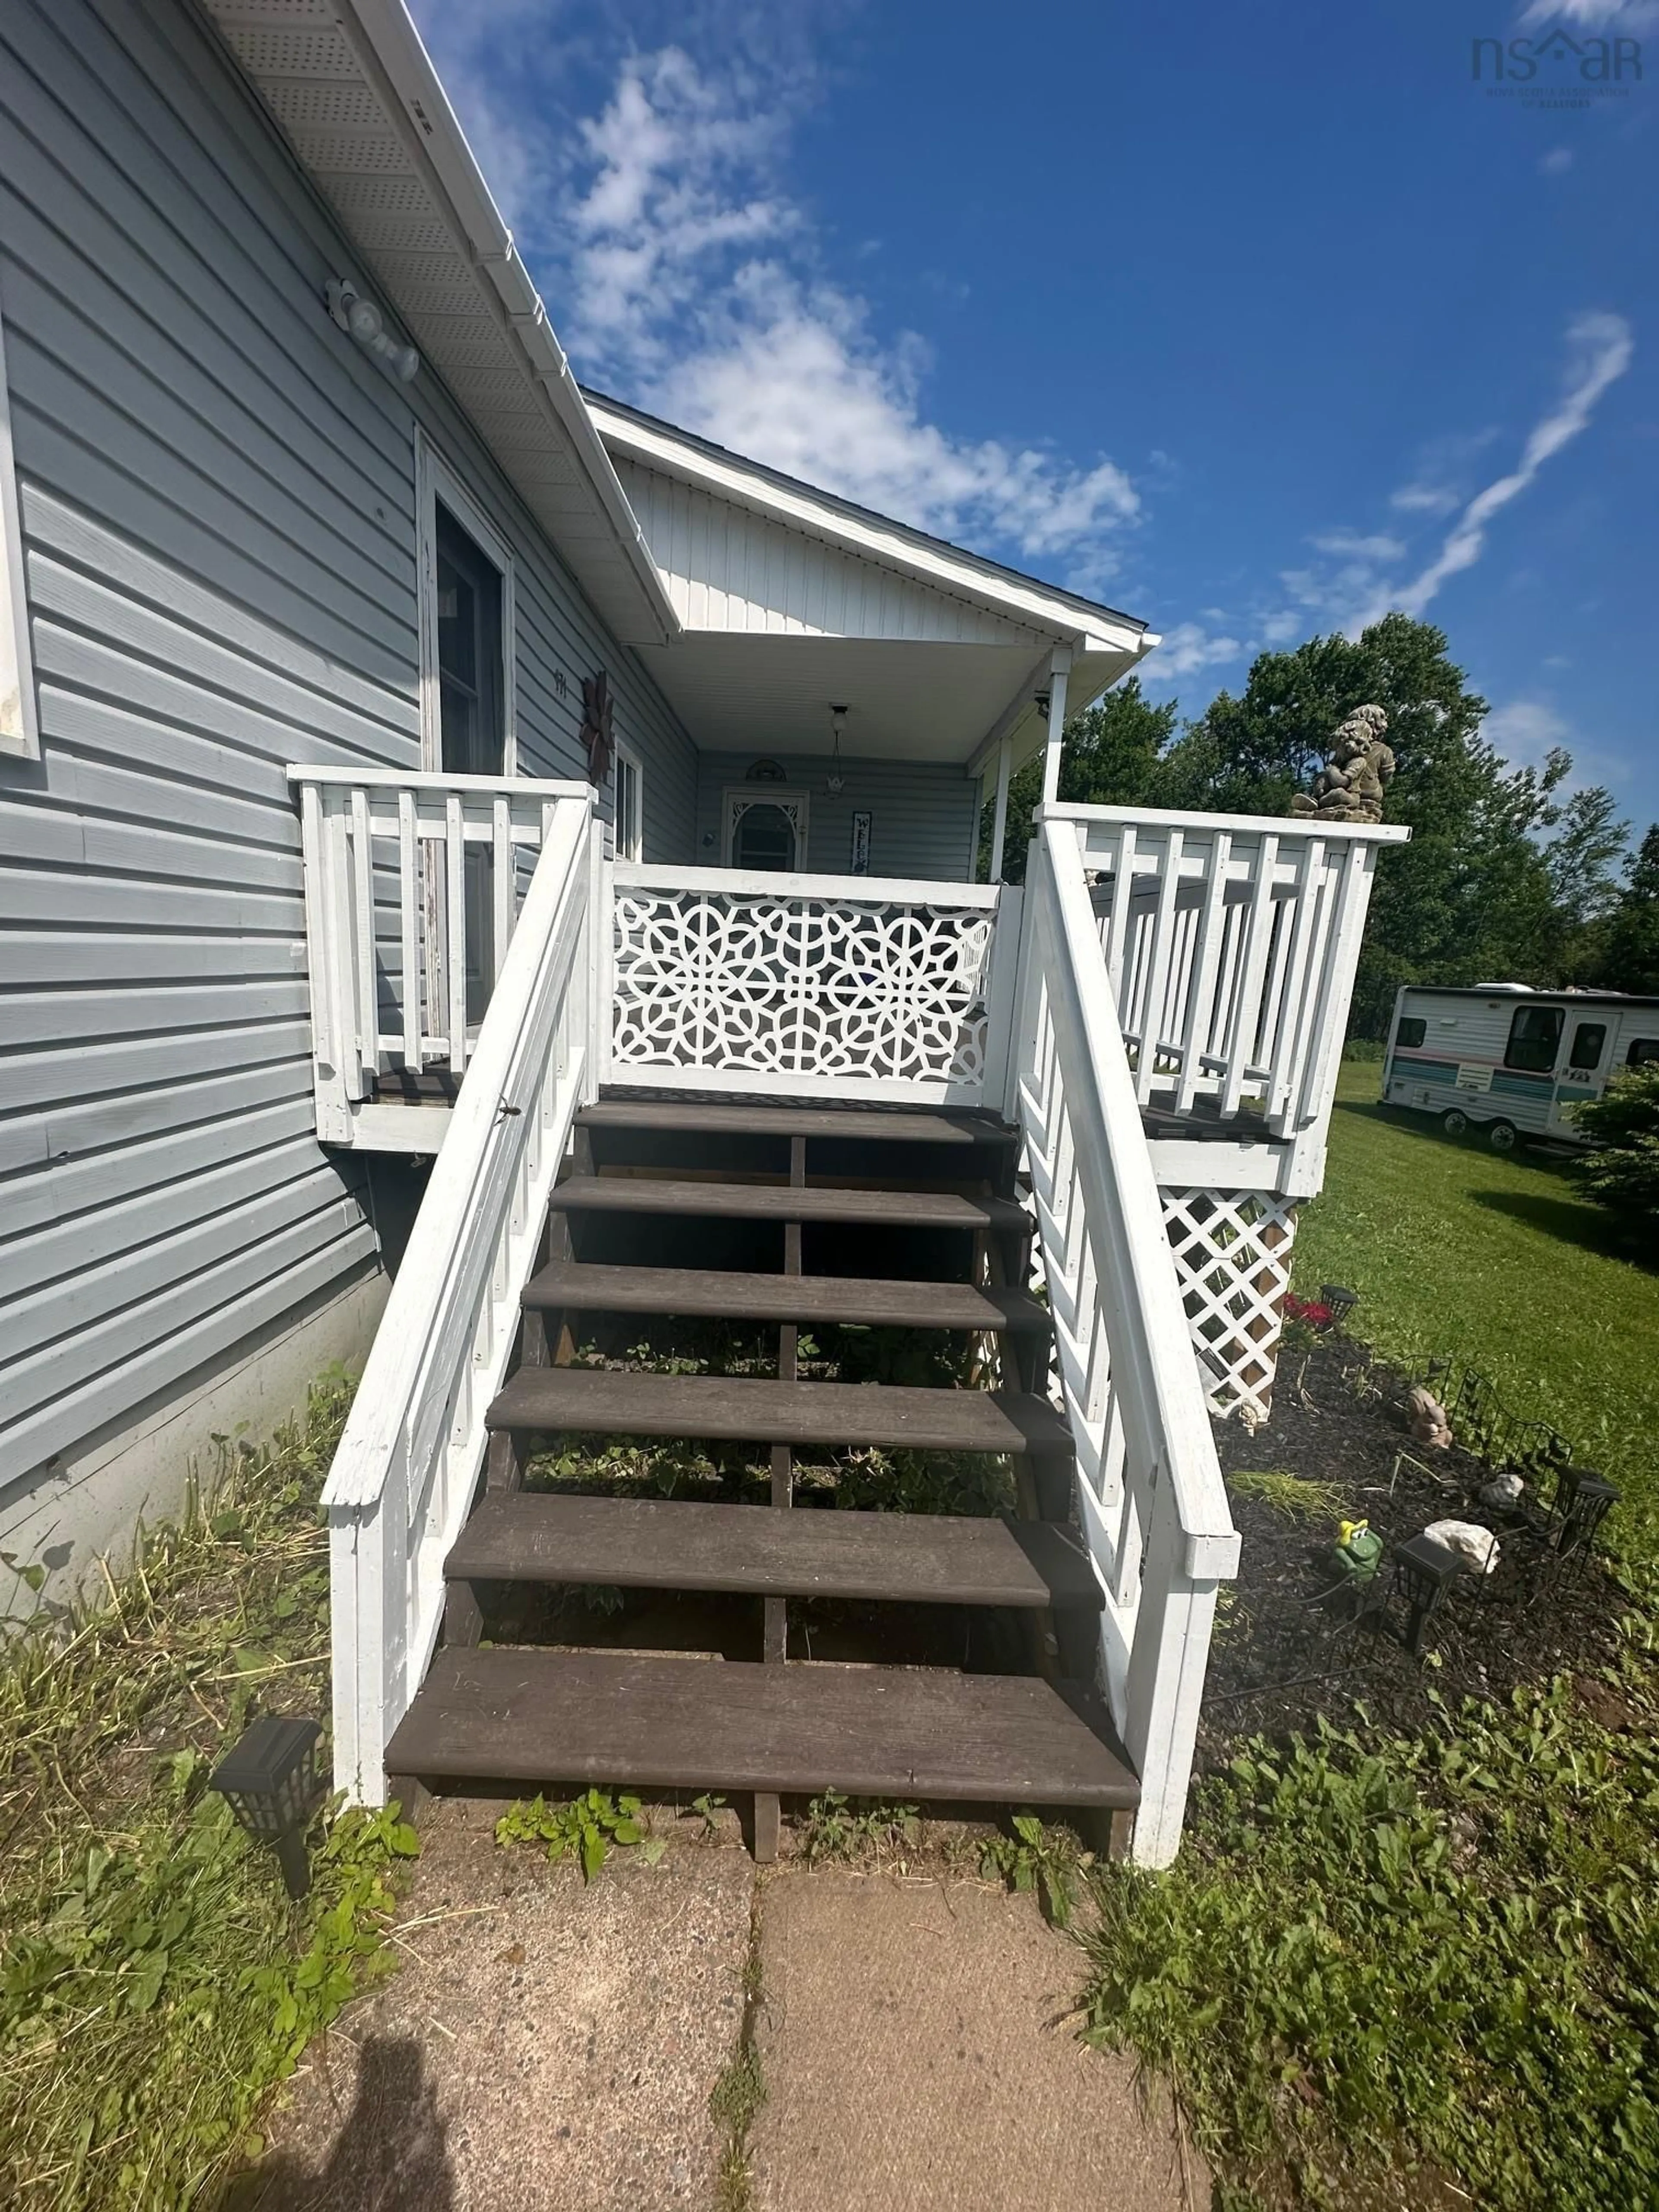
[(1411, 1032), (630, 836), (1534, 1038), (1588, 1040)]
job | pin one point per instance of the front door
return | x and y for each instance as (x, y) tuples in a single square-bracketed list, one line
[(1583, 1069)]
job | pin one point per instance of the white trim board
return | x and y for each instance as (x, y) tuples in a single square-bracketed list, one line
[(19, 725)]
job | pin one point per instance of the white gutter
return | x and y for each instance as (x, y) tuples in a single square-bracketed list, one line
[(388, 42)]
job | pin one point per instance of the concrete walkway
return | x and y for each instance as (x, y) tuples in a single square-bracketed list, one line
[(547, 2046)]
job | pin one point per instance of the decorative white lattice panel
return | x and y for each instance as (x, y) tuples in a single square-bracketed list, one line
[(1233, 1254), (723, 983)]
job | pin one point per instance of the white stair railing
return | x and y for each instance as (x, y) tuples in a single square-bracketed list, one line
[(1153, 1507), (407, 1466), (413, 883), (1231, 944)]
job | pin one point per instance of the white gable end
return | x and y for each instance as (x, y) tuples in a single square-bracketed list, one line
[(726, 567)]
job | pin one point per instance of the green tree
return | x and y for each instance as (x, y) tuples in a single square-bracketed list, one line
[(1627, 954), (1110, 757), (1470, 897), (1622, 1171)]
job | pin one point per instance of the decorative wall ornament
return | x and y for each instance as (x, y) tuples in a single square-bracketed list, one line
[(596, 738), (1349, 786), (860, 859), (866, 988)]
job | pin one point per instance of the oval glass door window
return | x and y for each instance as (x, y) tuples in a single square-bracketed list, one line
[(765, 839)]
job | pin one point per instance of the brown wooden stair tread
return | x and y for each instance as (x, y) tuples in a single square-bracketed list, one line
[(736, 1202), (880, 1124), (929, 1559), (627, 1403), (513, 1714), (576, 1286)]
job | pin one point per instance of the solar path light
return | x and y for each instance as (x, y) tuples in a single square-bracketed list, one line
[(273, 1782)]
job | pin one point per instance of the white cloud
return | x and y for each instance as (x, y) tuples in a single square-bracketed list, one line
[(694, 286), (1188, 648), (1599, 350), (1526, 730), (682, 275), (1613, 15), (1351, 543), (1424, 499), (1557, 161)]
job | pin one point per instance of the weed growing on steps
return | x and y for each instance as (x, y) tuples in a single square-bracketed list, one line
[(859, 1830), (585, 1829), (1296, 1498), (1048, 1861), (156, 1983), (1375, 1965), (739, 2090)]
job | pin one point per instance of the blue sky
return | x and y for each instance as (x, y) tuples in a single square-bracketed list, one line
[(1251, 321)]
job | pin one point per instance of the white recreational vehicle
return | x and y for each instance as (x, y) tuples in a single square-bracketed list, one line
[(1511, 1061)]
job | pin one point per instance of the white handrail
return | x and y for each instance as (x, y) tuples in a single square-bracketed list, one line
[(1153, 1506), (408, 1464)]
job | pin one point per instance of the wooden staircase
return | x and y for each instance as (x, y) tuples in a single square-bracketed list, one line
[(791, 1218)]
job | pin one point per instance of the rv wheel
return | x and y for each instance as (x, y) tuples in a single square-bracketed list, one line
[(1501, 1136), (1455, 1121)]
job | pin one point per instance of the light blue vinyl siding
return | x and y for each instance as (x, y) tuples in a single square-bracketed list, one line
[(923, 817), (218, 503)]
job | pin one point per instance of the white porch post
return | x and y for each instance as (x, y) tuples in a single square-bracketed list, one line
[(1000, 824), (1060, 668)]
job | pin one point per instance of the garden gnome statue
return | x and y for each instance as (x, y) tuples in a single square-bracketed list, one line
[(1349, 786)]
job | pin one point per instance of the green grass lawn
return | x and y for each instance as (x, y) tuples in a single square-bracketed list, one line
[(1455, 1249)]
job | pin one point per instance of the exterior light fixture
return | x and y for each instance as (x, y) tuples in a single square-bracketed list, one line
[(832, 782), (1423, 1572), (273, 1782), (363, 320), (1042, 700), (1340, 1302)]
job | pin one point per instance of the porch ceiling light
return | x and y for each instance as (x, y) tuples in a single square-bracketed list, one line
[(832, 782), (363, 320)]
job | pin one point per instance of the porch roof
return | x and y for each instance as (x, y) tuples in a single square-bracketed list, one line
[(759, 599), (790, 597)]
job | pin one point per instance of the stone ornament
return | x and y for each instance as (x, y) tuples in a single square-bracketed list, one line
[(1426, 1418), (1349, 786)]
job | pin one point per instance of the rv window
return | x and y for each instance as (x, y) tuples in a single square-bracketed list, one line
[(1534, 1036), (1588, 1040), (1642, 1050), (1411, 1032)]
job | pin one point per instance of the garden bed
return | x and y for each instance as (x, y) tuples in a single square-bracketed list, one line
[(1280, 1662)]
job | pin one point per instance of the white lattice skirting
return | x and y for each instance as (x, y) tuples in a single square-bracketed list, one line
[(1232, 1253), (725, 983)]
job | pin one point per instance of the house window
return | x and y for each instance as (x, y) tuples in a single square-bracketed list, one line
[(1642, 1050), (471, 676), (1588, 1040), (1411, 1032), (465, 584), (1534, 1038), (20, 730), (467, 629), (630, 808)]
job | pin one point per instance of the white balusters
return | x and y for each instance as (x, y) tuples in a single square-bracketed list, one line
[(411, 887)]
